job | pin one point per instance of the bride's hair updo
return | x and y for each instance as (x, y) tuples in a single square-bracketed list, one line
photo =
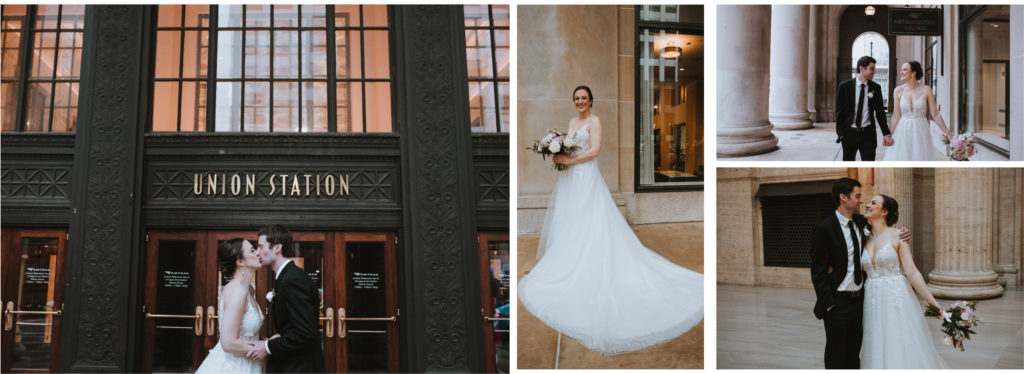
[(228, 253), (916, 68), (892, 208), (590, 96)]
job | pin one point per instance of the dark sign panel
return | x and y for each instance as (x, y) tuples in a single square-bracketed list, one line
[(915, 21)]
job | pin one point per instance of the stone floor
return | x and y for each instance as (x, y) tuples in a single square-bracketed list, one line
[(773, 328), (681, 243)]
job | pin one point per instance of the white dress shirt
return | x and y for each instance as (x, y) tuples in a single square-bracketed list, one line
[(865, 119), (849, 228)]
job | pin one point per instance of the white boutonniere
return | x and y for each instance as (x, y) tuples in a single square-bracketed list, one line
[(871, 94), (270, 296), (867, 232)]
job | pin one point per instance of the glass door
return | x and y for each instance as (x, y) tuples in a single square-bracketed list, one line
[(494, 287), (32, 298), (365, 300), (178, 265)]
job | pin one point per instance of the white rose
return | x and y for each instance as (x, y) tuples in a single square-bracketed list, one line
[(569, 142), (948, 340), (270, 296), (947, 316), (555, 147)]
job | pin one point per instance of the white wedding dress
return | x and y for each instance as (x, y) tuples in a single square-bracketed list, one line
[(912, 136), (895, 329), (219, 361), (595, 281)]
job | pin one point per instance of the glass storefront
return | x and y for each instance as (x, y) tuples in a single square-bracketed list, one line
[(985, 73), (670, 119)]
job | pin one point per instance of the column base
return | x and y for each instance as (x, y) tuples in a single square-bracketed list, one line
[(791, 121), (746, 140), (965, 286)]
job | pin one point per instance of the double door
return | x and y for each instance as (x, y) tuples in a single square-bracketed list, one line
[(32, 299), (354, 272)]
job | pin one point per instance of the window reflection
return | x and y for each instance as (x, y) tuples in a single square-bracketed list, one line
[(487, 66), (986, 69), (48, 101), (671, 74), (272, 69)]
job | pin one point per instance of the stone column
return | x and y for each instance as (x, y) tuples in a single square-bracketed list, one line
[(897, 184), (964, 235), (743, 57), (787, 104)]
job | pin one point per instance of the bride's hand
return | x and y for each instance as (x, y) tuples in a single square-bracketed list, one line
[(561, 159), (275, 336)]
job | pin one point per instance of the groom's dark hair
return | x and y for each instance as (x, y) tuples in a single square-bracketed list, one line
[(277, 234), (863, 62), (843, 186)]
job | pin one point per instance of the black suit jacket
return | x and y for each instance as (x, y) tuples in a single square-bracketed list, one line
[(828, 249), (295, 310), (846, 107)]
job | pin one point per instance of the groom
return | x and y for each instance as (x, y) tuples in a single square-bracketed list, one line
[(859, 107), (836, 249), (294, 305)]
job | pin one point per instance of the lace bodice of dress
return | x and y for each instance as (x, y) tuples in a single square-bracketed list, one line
[(251, 320), (582, 136), (886, 263), (913, 108)]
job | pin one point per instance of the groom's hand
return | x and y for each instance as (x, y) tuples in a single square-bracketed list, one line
[(887, 140), (904, 235), (258, 352)]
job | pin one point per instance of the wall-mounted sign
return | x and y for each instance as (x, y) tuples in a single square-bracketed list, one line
[(915, 21), (175, 279), (365, 281), (37, 275), (284, 184)]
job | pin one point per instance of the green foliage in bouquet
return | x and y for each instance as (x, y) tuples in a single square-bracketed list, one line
[(957, 322)]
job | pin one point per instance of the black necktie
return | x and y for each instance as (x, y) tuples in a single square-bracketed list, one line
[(856, 252), (860, 105)]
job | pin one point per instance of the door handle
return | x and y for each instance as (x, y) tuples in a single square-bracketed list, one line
[(329, 317), (9, 313), (197, 327), (343, 328), (211, 314)]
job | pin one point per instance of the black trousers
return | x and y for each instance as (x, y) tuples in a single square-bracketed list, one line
[(844, 330), (864, 141)]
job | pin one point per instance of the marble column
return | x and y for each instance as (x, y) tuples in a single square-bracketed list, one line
[(964, 235), (787, 103), (897, 183), (743, 56)]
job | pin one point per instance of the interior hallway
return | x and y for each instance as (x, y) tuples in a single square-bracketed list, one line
[(774, 328), (681, 243)]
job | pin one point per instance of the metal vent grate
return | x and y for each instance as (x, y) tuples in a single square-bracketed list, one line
[(787, 224)]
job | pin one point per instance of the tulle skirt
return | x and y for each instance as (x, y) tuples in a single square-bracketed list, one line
[(219, 361), (596, 282), (895, 330), (913, 141)]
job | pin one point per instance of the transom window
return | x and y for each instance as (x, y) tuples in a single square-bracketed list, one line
[(487, 65), (42, 58), (274, 68)]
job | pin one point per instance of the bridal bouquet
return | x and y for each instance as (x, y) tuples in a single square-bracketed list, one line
[(962, 147), (956, 321), (554, 144)]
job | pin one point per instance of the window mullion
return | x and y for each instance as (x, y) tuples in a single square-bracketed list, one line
[(362, 65), (56, 66), (211, 69), (241, 119), (332, 71), (26, 51), (299, 11), (494, 68), (270, 97), (181, 63)]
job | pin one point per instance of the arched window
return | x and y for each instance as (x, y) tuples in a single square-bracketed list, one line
[(873, 44), (273, 68)]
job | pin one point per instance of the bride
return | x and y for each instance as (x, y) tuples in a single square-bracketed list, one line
[(240, 317), (595, 281), (895, 331), (912, 133)]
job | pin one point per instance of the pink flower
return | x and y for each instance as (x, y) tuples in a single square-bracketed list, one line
[(956, 143)]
